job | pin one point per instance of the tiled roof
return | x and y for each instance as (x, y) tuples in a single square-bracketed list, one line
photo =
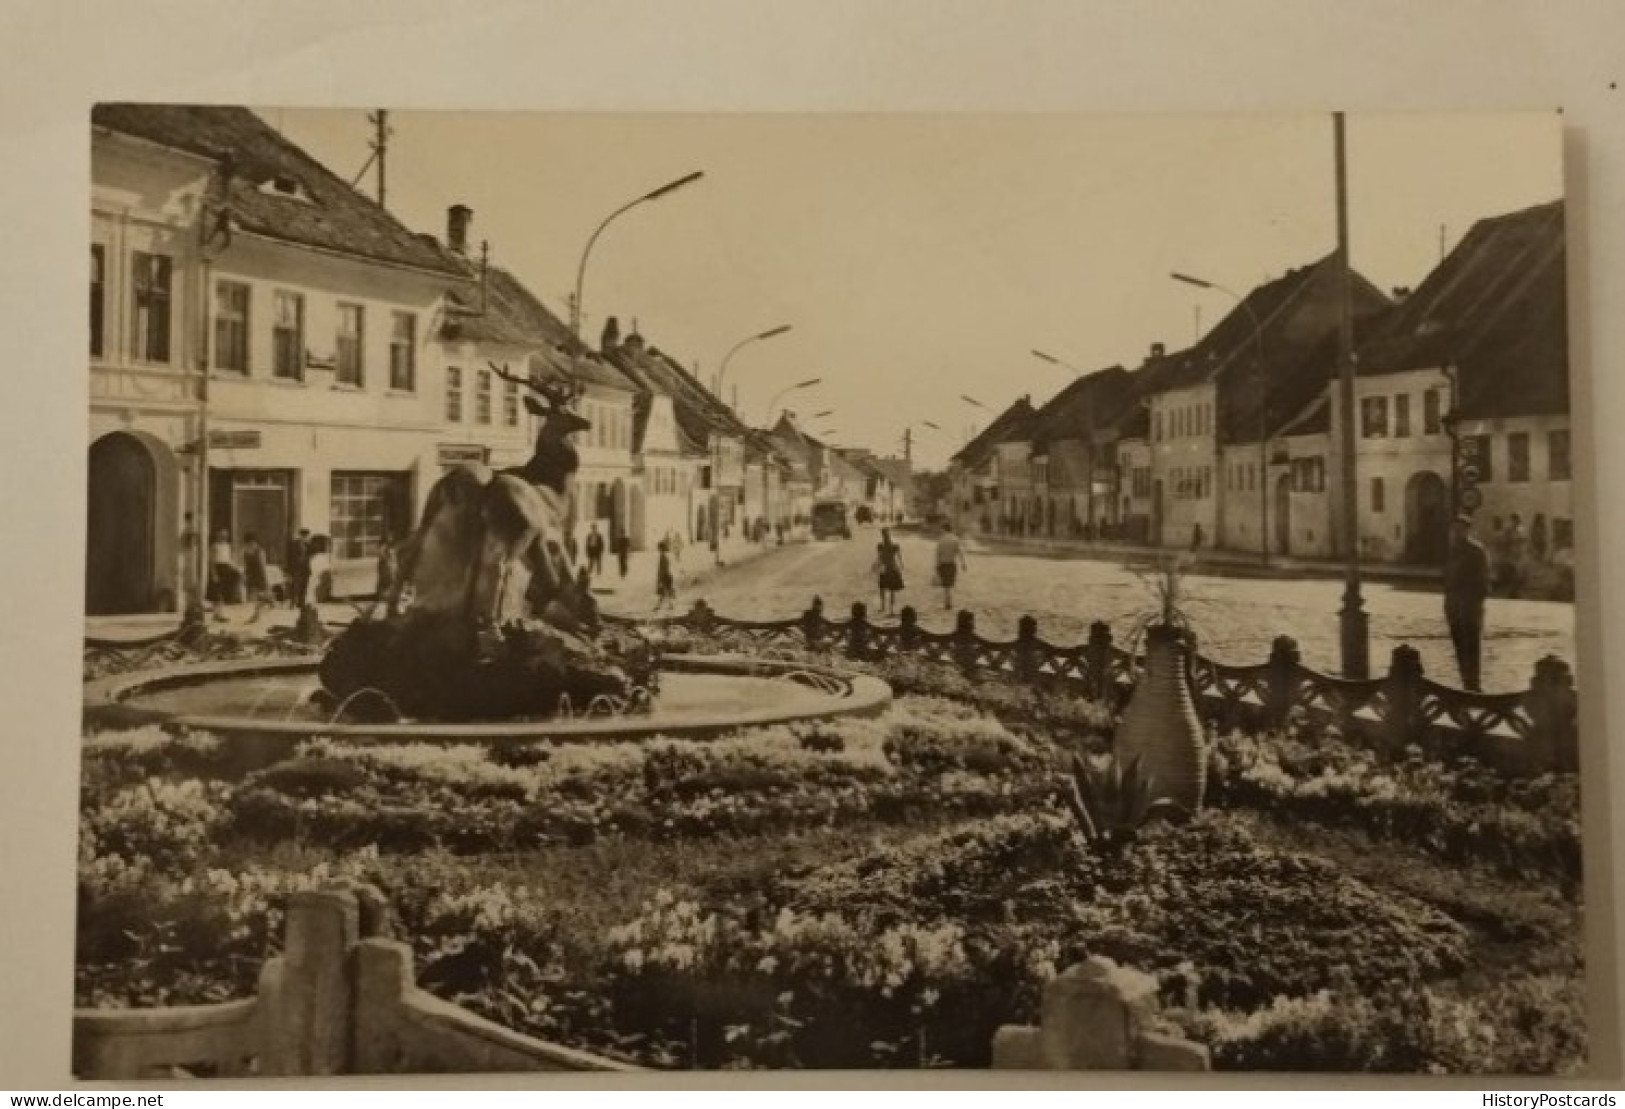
[(510, 314), (1085, 405), (1292, 319), (1011, 425), (322, 211), (1495, 309)]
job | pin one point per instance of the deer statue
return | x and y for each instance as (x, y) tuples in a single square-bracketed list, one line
[(478, 524)]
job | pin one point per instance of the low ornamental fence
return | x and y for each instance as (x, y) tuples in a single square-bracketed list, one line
[(1532, 731), (1524, 733), (340, 999)]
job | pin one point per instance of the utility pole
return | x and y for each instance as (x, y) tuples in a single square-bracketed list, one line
[(380, 146), (1353, 623)]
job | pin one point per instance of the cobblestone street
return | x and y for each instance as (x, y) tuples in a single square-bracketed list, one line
[(1236, 618)]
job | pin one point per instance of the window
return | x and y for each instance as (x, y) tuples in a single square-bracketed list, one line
[(1480, 452), (1432, 419), (482, 396), (1377, 494), (1558, 464), (510, 403), (1156, 432), (1518, 456), (403, 366), (347, 367), (1402, 416), (288, 336), (1562, 534), (98, 296), (365, 508), (1374, 418), (150, 291), (231, 327), (454, 395)]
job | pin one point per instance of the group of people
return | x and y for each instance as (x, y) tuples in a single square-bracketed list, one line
[(949, 556), (246, 575)]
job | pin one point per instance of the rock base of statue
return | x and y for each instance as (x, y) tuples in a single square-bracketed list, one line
[(424, 666)]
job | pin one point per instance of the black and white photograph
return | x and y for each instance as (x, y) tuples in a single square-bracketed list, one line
[(705, 591)]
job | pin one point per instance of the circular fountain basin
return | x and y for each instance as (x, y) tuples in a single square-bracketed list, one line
[(700, 695)]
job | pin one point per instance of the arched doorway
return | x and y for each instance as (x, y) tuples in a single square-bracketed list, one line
[(121, 509), (1283, 514), (619, 510), (1427, 519)]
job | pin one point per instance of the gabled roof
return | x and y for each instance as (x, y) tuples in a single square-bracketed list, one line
[(1084, 406), (1010, 425), (1495, 309), (505, 311), (699, 414), (316, 209)]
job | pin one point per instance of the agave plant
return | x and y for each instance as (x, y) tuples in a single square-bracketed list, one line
[(1112, 802), (1169, 598)]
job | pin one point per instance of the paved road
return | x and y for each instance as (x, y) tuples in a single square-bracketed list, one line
[(1237, 619)]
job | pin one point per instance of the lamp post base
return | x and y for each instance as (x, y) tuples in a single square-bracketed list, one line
[(1354, 627)]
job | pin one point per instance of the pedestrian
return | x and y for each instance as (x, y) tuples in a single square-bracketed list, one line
[(676, 540), (623, 552), (298, 568), (889, 567), (950, 559), (1517, 555), (388, 569), (225, 580), (256, 580), (1466, 585), (665, 584), (595, 551), (1196, 538), (1539, 537)]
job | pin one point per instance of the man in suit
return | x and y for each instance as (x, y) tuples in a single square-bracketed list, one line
[(1466, 585), (298, 568)]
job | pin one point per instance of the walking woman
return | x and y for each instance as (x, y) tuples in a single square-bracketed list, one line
[(889, 564)]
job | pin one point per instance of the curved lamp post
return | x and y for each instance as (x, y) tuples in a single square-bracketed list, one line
[(581, 270), (716, 462), (772, 405), (767, 427), (1263, 411)]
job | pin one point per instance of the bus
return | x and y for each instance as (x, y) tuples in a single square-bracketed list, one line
[(829, 520)]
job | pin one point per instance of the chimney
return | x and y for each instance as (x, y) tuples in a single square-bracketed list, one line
[(458, 217), (611, 337), (1158, 350), (1400, 292)]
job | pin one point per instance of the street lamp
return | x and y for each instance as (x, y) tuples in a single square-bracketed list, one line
[(1054, 361), (773, 404), (767, 429), (1263, 412), (581, 270), (716, 463)]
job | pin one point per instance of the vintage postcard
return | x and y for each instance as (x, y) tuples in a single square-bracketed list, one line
[(636, 592)]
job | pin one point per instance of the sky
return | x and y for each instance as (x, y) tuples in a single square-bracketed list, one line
[(920, 259)]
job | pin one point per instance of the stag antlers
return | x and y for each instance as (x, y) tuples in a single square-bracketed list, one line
[(561, 393)]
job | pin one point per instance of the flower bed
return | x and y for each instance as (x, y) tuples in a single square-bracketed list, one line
[(862, 892)]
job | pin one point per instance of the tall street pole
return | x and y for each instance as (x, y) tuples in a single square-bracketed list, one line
[(716, 468), (581, 270), (1354, 625)]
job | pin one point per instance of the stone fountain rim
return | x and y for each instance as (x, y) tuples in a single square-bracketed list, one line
[(105, 701)]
